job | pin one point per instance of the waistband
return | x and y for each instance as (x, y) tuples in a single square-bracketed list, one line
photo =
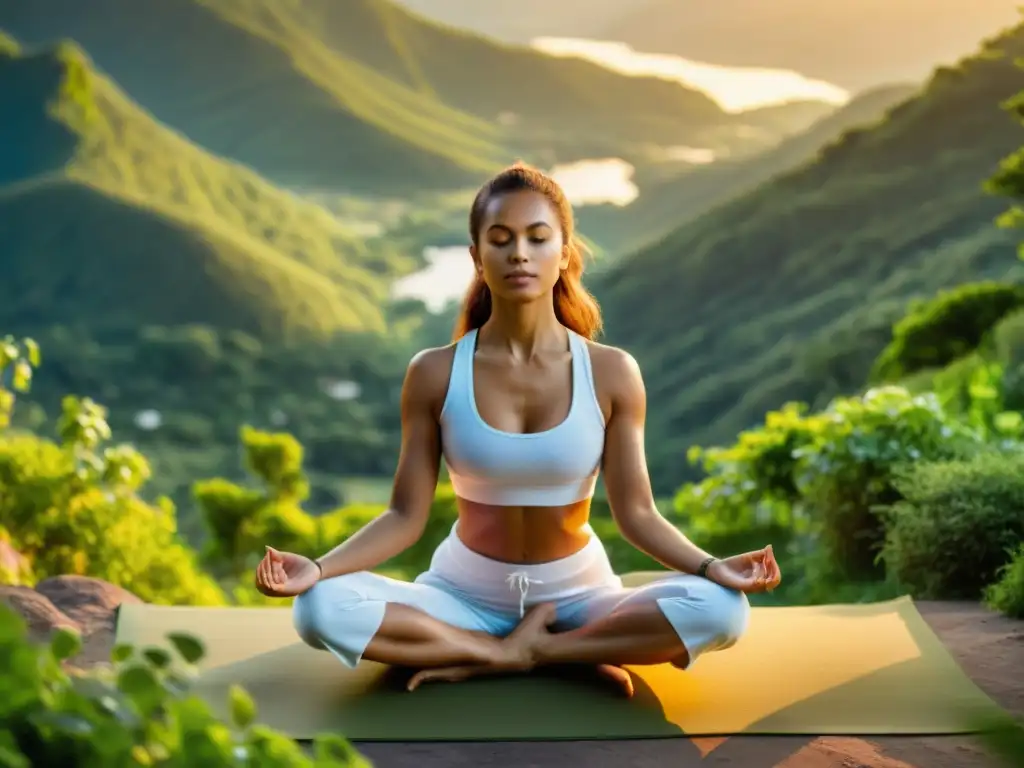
[(502, 585)]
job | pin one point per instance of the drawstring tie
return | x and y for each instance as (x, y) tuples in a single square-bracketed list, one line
[(522, 581)]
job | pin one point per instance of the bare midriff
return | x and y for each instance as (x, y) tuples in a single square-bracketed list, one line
[(524, 535)]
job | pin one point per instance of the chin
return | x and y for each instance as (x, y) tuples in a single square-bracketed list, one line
[(523, 295)]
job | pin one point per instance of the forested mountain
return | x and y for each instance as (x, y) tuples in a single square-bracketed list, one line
[(788, 292)]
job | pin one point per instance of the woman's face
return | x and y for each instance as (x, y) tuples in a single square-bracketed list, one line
[(520, 251)]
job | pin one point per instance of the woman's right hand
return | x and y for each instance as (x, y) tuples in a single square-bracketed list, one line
[(283, 574)]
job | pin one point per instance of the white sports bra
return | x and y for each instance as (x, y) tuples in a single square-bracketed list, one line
[(555, 467)]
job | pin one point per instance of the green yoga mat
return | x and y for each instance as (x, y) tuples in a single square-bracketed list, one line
[(835, 669)]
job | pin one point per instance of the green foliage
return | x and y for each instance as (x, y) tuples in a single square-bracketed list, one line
[(1006, 594), (139, 711), (72, 506), (823, 259), (824, 474), (935, 333), (242, 520), (17, 362), (199, 383), (8, 45), (955, 524)]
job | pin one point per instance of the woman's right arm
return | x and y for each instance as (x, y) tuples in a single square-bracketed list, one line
[(403, 522)]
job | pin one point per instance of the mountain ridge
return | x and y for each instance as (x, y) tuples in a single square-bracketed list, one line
[(110, 196), (789, 291), (369, 98)]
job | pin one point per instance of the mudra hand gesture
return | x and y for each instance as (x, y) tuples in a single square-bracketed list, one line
[(750, 572), (283, 574)]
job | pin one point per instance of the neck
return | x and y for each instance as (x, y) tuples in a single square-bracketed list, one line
[(523, 329)]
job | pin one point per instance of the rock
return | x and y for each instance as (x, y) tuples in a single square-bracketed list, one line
[(92, 603), (78, 602), (39, 613)]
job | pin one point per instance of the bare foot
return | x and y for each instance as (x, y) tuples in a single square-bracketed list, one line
[(517, 652), (522, 642), (618, 676)]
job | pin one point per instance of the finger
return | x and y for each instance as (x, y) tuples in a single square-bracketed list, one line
[(279, 573), (261, 572)]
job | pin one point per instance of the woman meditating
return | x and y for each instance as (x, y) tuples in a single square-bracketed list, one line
[(525, 409)]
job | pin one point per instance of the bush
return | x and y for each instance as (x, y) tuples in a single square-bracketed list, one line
[(72, 507), (953, 324), (955, 524), (824, 474), (138, 712), (1007, 594)]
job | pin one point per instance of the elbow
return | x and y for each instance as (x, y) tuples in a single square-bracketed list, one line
[(412, 522), (639, 524)]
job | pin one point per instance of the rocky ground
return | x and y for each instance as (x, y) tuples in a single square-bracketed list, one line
[(989, 647)]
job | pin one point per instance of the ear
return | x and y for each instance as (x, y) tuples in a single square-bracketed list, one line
[(475, 254), (563, 263)]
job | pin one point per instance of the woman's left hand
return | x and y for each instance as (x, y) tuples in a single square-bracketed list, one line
[(750, 572)]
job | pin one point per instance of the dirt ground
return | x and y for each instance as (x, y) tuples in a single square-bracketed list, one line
[(989, 647)]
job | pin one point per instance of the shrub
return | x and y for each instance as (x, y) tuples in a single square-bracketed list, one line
[(1007, 594), (73, 507), (137, 712), (955, 524), (824, 474), (953, 324)]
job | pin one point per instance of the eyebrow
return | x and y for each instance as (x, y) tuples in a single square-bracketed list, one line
[(531, 226)]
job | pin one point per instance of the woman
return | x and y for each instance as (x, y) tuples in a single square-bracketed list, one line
[(525, 409)]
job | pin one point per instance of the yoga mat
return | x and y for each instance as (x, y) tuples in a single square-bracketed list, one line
[(835, 669)]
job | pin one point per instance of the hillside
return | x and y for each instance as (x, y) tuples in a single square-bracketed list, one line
[(906, 38), (109, 219), (667, 203), (365, 96), (522, 21), (788, 292)]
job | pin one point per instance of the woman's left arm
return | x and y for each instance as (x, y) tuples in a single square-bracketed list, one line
[(626, 478)]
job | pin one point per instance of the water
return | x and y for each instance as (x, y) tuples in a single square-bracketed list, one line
[(734, 88), (447, 276)]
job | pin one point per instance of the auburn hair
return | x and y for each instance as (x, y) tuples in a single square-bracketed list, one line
[(575, 307)]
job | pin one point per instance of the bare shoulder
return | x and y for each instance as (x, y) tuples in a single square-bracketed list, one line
[(613, 363), (617, 376), (426, 378)]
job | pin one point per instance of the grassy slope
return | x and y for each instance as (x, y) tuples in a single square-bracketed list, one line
[(106, 217), (788, 292), (667, 203), (362, 95)]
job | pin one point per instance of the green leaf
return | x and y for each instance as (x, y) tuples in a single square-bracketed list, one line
[(22, 378), (1008, 422), (10, 755), (63, 722), (65, 643), (138, 680), (158, 657), (32, 347), (122, 652), (243, 708), (189, 647)]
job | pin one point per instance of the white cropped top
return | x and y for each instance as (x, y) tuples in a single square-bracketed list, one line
[(555, 467)]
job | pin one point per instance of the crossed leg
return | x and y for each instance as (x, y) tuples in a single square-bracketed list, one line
[(671, 620)]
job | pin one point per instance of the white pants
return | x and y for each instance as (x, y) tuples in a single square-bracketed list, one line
[(473, 592)]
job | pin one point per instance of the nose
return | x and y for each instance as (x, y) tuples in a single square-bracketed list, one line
[(517, 254)]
